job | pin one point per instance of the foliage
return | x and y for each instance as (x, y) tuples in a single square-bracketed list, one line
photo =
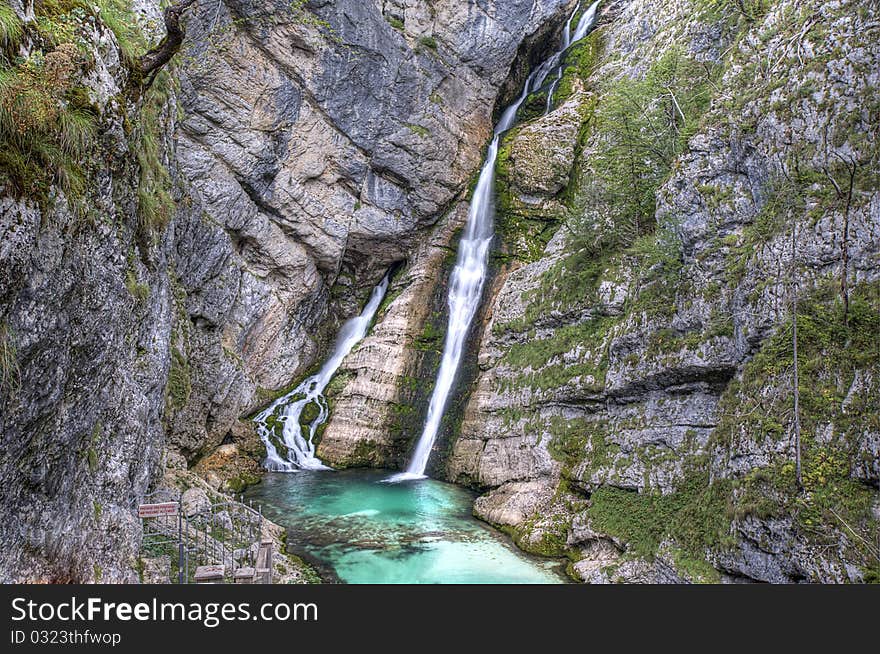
[(47, 130), (751, 10), (839, 404), (696, 515), (116, 15), (428, 42), (179, 385), (10, 28), (9, 369), (645, 124), (155, 204)]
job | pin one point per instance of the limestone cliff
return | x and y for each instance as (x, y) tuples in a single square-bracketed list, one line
[(634, 408), (173, 257)]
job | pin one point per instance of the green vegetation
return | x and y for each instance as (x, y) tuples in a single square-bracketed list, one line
[(580, 62), (418, 130), (428, 42), (10, 374), (751, 10), (116, 15), (697, 515), (90, 447), (524, 230), (238, 483), (155, 204), (135, 288), (431, 338), (542, 364), (644, 124), (396, 23), (839, 402), (47, 127), (10, 27), (48, 124), (179, 384)]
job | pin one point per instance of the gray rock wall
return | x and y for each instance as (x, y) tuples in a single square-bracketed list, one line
[(622, 378), (308, 150)]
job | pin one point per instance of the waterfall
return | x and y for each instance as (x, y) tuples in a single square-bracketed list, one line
[(469, 274), (288, 409), (568, 39)]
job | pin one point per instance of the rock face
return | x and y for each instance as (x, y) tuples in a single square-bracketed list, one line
[(319, 149), (85, 318), (193, 248), (634, 406), (228, 221)]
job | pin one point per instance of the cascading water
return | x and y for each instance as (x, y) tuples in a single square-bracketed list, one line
[(288, 409), (469, 274), (566, 41)]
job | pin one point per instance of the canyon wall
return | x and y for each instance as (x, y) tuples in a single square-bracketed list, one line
[(634, 409), (173, 257)]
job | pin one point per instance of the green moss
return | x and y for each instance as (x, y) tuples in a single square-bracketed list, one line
[(90, 446), (337, 383), (155, 204), (580, 62), (242, 481), (365, 453), (308, 574), (696, 569), (541, 360), (533, 107), (135, 288), (309, 414), (418, 130), (433, 333), (576, 441), (97, 510), (179, 385), (428, 42), (396, 23)]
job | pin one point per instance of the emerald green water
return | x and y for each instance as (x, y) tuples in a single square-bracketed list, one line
[(416, 532)]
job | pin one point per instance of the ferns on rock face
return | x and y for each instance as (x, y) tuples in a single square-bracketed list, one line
[(45, 131), (48, 124), (10, 27)]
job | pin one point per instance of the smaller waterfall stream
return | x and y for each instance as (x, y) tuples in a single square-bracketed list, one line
[(469, 274), (288, 409), (566, 41)]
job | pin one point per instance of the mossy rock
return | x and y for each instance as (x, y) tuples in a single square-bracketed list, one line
[(310, 413)]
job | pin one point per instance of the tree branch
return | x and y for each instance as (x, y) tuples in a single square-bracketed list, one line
[(151, 62)]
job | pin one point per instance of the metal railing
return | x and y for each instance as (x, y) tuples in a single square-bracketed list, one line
[(226, 533)]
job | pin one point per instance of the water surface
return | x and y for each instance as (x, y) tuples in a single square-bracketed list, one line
[(418, 532)]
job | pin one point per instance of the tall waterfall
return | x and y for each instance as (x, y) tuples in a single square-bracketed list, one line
[(469, 274), (288, 409)]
